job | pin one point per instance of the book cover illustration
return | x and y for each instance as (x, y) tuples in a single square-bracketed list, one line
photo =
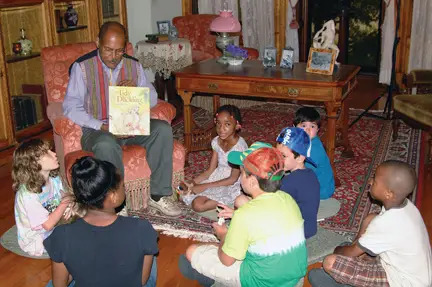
[(129, 110)]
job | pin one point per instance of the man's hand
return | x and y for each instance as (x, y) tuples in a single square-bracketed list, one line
[(220, 230), (127, 83)]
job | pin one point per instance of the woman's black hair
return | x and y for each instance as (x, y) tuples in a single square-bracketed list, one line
[(92, 179), (307, 114), (232, 111)]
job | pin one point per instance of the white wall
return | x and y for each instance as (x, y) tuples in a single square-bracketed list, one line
[(143, 14), (165, 10)]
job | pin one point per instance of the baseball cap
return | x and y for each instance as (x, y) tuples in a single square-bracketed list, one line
[(260, 159), (297, 140)]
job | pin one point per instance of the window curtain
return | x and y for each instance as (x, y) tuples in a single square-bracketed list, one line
[(387, 41), (214, 6), (258, 24), (291, 35), (421, 36)]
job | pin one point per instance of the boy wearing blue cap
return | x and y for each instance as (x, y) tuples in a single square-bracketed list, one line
[(264, 244), (301, 182)]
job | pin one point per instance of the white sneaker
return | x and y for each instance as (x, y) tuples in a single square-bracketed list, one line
[(166, 205)]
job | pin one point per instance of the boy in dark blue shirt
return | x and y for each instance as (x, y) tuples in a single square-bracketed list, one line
[(301, 182)]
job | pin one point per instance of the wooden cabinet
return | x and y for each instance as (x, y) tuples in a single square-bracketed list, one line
[(22, 96)]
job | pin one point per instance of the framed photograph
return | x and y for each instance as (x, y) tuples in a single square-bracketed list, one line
[(269, 59), (321, 61), (163, 27), (287, 58)]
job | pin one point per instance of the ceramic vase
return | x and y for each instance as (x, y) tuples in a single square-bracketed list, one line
[(71, 17)]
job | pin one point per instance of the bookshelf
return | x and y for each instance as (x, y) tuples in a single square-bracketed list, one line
[(22, 94), (21, 84)]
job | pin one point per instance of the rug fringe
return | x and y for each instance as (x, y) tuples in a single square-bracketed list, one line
[(167, 229)]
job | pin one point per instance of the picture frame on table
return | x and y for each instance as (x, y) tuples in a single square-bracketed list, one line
[(287, 60), (321, 61), (269, 59), (163, 27)]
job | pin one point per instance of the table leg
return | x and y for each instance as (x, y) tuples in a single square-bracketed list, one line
[(216, 103), (188, 120), (347, 152), (331, 110)]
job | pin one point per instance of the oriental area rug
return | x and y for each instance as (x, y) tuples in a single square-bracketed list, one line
[(371, 141)]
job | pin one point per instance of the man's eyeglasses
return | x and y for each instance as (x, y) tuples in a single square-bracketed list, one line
[(117, 53)]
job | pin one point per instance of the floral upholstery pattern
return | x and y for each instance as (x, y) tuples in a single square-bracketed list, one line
[(196, 28), (67, 135)]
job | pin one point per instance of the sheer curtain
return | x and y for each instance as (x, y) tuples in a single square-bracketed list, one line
[(421, 36), (258, 24), (291, 35), (214, 6), (387, 41)]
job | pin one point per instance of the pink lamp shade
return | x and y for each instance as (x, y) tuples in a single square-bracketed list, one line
[(225, 23)]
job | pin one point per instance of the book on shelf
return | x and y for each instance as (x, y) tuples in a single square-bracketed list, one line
[(129, 110), (24, 110)]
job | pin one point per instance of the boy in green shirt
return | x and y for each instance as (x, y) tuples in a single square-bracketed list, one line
[(264, 244)]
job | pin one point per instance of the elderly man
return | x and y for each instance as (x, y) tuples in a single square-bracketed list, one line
[(86, 104)]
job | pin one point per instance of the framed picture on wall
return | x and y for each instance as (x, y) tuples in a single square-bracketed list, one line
[(269, 59), (163, 27), (321, 61)]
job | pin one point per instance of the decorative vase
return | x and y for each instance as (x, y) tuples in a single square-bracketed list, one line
[(71, 16), (26, 44)]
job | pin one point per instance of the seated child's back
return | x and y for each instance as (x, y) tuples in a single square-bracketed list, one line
[(301, 182), (303, 186), (102, 248)]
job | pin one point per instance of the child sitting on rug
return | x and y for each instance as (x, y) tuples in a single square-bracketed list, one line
[(39, 202), (102, 248), (220, 182), (309, 120), (264, 244), (392, 247), (301, 182)]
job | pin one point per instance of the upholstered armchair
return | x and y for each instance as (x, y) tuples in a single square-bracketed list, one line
[(67, 135), (196, 28), (415, 109)]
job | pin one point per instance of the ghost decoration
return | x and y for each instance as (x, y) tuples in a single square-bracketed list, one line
[(325, 37)]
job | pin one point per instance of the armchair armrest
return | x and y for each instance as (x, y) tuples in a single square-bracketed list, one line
[(163, 111), (54, 110), (69, 133)]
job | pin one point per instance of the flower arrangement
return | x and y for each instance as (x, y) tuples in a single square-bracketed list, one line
[(236, 52)]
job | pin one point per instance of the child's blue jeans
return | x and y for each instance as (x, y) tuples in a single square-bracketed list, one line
[(151, 282)]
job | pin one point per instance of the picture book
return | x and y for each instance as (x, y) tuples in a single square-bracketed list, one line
[(129, 110)]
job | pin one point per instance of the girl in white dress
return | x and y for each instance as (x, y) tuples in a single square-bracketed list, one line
[(220, 183)]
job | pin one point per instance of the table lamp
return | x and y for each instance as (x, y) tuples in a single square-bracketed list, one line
[(224, 24)]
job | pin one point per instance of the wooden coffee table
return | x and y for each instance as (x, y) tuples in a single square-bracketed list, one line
[(251, 79)]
